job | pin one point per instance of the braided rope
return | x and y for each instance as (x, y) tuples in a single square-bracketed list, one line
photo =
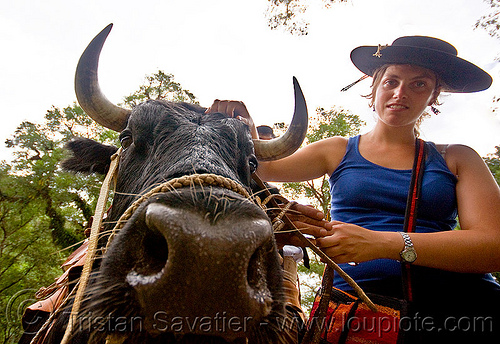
[(190, 180), (277, 221), (184, 181), (282, 219), (206, 179), (93, 240)]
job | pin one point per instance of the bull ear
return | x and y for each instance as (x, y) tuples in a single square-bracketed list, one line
[(285, 145), (88, 92), (88, 156)]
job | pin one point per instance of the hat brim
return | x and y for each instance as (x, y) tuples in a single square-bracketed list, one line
[(459, 75)]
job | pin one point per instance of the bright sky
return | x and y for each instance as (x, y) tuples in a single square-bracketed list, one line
[(224, 49)]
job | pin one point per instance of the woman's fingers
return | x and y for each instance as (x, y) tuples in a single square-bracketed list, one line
[(231, 108)]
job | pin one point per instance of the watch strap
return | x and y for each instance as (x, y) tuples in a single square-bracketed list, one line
[(406, 239), (407, 248)]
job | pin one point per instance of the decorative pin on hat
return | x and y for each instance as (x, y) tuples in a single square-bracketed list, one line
[(458, 75)]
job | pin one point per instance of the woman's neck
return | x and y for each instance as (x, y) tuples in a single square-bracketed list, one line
[(389, 147), (385, 135)]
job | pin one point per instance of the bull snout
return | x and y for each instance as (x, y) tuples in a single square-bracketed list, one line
[(209, 271)]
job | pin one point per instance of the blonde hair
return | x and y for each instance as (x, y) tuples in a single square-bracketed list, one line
[(377, 78)]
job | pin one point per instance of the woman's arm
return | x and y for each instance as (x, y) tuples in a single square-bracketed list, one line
[(307, 163), (473, 249), (476, 247), (312, 161)]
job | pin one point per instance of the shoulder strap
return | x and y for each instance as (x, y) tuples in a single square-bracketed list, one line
[(411, 209)]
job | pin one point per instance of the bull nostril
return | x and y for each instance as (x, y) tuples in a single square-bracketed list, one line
[(156, 250), (254, 270), (201, 267), (256, 277), (154, 256)]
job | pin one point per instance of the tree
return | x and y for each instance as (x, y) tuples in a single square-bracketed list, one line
[(160, 86), (493, 162), (490, 22), (324, 124), (25, 241), (44, 210), (289, 15)]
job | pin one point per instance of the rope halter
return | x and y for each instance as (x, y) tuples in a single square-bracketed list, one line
[(205, 179), (190, 180)]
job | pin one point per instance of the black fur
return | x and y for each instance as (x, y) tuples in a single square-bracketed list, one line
[(164, 140), (88, 156)]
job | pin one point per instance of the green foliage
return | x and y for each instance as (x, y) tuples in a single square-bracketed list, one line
[(490, 22), (285, 14), (44, 210), (160, 86), (27, 255), (289, 15), (324, 124), (493, 162), (39, 149), (317, 192), (333, 122)]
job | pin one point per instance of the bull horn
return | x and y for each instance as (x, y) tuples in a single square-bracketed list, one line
[(288, 143), (88, 92)]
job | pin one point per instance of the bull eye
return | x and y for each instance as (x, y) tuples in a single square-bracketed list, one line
[(126, 141), (252, 163)]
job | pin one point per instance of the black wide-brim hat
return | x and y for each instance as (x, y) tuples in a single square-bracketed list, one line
[(439, 56)]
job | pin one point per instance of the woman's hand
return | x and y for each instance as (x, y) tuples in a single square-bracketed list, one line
[(234, 109), (308, 220), (346, 243)]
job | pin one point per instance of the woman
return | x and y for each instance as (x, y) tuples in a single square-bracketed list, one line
[(369, 182)]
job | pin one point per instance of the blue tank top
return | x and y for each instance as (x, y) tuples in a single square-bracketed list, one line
[(374, 197)]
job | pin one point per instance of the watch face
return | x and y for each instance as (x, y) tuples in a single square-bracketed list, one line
[(409, 256)]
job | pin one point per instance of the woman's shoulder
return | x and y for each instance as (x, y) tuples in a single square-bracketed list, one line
[(456, 151), (338, 141), (333, 149), (458, 155), (334, 145)]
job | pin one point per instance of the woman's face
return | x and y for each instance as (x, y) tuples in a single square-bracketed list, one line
[(403, 94)]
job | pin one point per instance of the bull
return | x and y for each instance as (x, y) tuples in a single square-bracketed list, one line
[(190, 265)]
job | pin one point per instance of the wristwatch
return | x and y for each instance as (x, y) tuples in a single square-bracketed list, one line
[(408, 255)]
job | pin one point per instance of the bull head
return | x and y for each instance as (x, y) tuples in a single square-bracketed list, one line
[(97, 106), (148, 269)]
